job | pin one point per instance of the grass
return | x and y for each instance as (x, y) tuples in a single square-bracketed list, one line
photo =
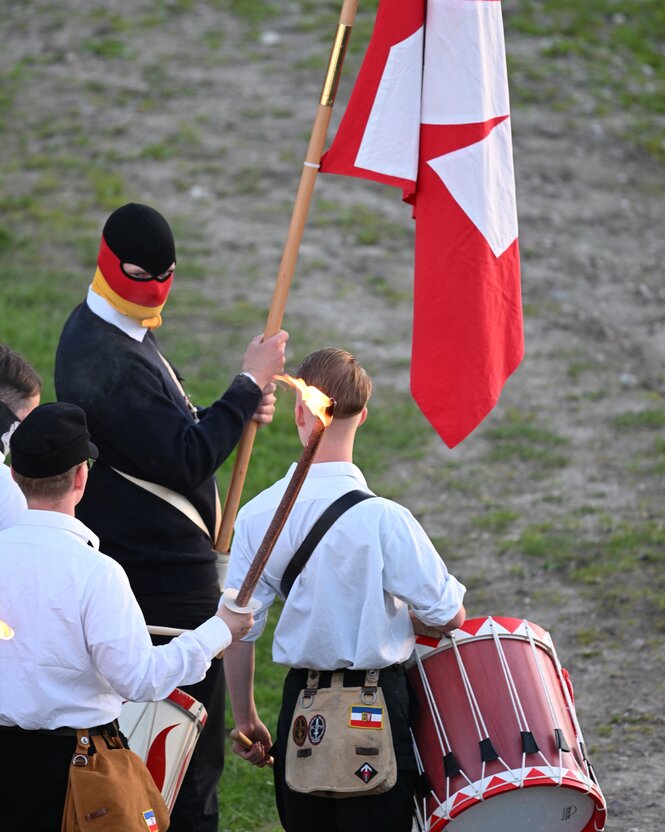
[(649, 419), (656, 459), (362, 225), (238, 813), (610, 54), (603, 564), (496, 520), (520, 438)]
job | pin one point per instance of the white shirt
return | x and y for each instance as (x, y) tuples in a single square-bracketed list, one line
[(80, 645), (349, 605), (103, 309), (12, 501)]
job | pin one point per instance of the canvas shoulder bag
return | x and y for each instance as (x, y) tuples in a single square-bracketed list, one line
[(111, 787), (340, 742)]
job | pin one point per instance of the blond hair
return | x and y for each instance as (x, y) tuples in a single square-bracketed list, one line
[(339, 375), (45, 488)]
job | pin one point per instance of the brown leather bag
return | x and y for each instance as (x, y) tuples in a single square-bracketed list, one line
[(111, 787), (340, 744)]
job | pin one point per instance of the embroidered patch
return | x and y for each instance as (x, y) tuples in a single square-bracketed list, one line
[(300, 730), (366, 772), (317, 728), (360, 716), (150, 820)]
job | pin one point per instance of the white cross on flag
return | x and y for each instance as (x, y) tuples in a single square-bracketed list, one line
[(429, 113)]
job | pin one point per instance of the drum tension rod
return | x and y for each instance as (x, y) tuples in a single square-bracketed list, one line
[(529, 744), (560, 740), (487, 751), (450, 765)]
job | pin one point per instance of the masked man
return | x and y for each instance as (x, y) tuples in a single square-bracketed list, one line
[(152, 497)]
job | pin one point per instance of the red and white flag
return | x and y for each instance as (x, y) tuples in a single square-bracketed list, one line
[(429, 113)]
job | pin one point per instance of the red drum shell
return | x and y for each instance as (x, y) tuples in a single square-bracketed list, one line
[(535, 697)]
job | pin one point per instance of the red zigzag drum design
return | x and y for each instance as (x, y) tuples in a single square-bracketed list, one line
[(497, 735)]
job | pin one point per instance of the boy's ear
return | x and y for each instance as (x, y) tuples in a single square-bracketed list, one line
[(363, 416), (299, 414), (81, 476)]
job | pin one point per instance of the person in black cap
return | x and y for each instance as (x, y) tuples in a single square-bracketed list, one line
[(20, 392), (152, 496), (75, 644)]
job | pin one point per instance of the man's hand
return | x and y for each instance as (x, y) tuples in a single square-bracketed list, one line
[(266, 410), (265, 358), (239, 623), (257, 754), (421, 629)]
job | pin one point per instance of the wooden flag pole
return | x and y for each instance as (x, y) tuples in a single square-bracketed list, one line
[(290, 253)]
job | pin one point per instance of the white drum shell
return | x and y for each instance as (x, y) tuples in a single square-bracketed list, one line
[(164, 735)]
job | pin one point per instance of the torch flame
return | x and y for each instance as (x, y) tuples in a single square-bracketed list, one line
[(318, 403), (6, 631)]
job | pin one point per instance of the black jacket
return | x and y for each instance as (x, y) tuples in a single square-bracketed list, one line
[(143, 426)]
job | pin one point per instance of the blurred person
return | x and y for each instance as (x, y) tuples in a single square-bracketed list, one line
[(20, 392), (152, 496), (80, 646), (371, 581)]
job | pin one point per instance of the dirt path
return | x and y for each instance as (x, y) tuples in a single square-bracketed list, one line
[(207, 116)]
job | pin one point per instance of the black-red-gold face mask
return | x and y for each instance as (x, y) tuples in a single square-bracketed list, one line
[(145, 291), (135, 262)]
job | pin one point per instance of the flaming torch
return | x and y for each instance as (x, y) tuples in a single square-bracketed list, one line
[(322, 407), (6, 631)]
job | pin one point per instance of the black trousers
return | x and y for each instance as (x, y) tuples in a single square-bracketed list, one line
[(197, 807), (36, 762), (392, 810), (34, 770)]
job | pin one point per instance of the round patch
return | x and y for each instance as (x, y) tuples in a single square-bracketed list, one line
[(300, 730), (317, 728)]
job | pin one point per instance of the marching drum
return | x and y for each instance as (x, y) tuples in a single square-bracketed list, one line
[(164, 734), (497, 736)]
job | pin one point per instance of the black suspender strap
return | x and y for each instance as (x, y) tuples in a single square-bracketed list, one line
[(325, 521)]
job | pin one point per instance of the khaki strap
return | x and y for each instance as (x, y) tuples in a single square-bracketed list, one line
[(176, 380), (171, 497), (192, 410)]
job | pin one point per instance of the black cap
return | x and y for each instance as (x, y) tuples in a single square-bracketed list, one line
[(138, 234), (50, 440)]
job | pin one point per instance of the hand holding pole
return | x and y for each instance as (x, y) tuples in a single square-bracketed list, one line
[(244, 740)]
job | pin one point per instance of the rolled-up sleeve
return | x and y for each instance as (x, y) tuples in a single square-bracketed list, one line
[(123, 652), (415, 572)]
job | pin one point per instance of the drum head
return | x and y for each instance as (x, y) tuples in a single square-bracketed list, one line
[(524, 810)]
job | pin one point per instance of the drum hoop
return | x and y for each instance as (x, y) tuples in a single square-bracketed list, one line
[(460, 642), (473, 793), (176, 698)]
